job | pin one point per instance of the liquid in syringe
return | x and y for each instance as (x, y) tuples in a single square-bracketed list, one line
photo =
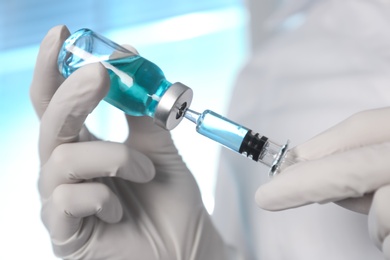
[(238, 138)]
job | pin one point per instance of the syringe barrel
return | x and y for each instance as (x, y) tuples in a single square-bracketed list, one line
[(221, 130), (241, 139)]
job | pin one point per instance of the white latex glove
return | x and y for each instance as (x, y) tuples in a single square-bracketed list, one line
[(105, 200), (348, 164)]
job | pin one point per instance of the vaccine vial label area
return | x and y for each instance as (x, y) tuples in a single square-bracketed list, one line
[(139, 88)]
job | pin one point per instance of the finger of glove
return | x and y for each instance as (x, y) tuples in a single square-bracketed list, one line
[(70, 106), (131, 48), (349, 174), (64, 211), (76, 162), (379, 219), (46, 77), (154, 141), (364, 128)]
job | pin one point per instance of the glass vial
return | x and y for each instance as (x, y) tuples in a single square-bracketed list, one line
[(138, 86)]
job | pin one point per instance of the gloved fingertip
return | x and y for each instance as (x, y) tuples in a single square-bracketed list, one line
[(134, 166), (148, 170), (131, 48), (263, 198), (59, 31), (54, 39), (111, 210), (114, 216), (279, 194), (93, 80)]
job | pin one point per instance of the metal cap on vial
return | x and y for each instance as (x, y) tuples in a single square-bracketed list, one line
[(170, 110)]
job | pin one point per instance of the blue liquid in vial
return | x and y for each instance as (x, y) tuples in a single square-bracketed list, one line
[(137, 99), (221, 130), (142, 97)]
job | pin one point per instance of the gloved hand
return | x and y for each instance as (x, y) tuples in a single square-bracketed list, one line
[(106, 200), (348, 164)]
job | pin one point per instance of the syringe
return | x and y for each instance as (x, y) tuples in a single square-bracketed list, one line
[(238, 138)]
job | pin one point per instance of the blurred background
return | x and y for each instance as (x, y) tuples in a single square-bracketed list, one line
[(201, 43)]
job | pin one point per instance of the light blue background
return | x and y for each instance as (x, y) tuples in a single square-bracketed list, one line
[(200, 43)]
